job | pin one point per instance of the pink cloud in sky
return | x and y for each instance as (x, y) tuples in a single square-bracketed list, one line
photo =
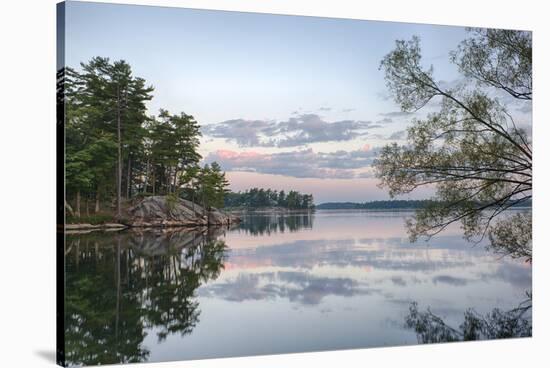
[(230, 155), (304, 163)]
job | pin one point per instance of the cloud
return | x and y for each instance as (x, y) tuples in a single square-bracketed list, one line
[(384, 121), (296, 131), (396, 114), (348, 109), (325, 108), (300, 164), (244, 132)]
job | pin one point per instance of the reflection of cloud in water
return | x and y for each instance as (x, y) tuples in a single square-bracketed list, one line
[(390, 254), (398, 280), (299, 287), (516, 274), (390, 263), (343, 258), (451, 280)]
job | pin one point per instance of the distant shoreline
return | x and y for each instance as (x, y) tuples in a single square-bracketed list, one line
[(388, 205)]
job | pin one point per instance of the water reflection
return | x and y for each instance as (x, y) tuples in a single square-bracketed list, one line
[(267, 224), (274, 284), (121, 285), (297, 287), (350, 267), (497, 324)]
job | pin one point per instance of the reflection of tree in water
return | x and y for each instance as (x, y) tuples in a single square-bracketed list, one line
[(497, 324), (173, 279), (102, 324), (276, 223), (119, 285)]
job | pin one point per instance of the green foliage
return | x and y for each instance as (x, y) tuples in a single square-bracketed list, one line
[(172, 144), (212, 185), (171, 201), (500, 58), (512, 236), (471, 150), (114, 150), (259, 197)]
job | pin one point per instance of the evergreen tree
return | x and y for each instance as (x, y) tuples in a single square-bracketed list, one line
[(114, 149), (114, 101)]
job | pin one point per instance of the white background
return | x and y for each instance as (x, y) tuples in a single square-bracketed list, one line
[(27, 181)]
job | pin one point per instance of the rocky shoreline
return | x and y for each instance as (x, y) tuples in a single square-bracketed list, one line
[(162, 212)]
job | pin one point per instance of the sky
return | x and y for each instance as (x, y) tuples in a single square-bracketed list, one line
[(286, 102)]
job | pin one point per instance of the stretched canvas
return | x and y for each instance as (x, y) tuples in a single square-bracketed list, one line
[(237, 184)]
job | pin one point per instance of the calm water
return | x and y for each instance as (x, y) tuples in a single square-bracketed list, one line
[(275, 284)]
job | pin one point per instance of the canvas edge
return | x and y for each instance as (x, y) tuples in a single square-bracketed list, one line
[(60, 184)]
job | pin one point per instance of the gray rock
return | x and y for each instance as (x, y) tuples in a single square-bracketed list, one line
[(162, 211)]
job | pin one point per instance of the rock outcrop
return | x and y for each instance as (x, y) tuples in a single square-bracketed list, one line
[(163, 211)]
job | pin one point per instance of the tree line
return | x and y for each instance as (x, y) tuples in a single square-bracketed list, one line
[(395, 204), (115, 151), (374, 205), (260, 197)]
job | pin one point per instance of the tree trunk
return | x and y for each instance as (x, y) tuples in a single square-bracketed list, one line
[(96, 209), (87, 207), (77, 210), (68, 208), (128, 178), (175, 179), (146, 177), (168, 177), (119, 149), (204, 210), (154, 183)]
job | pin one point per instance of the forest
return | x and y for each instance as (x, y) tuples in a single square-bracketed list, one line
[(116, 151), (259, 197)]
